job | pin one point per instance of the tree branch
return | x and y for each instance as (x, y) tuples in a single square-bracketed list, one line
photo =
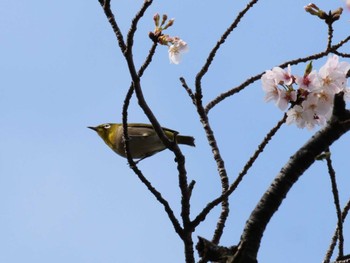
[(106, 5), (252, 79), (172, 145), (197, 98), (202, 215), (337, 205), (209, 251), (335, 235), (288, 176), (133, 27), (212, 54)]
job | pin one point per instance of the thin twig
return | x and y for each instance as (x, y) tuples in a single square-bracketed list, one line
[(209, 132), (341, 54), (148, 59), (172, 145), (330, 35), (188, 89), (106, 5), (133, 26), (335, 235), (252, 79), (127, 102), (221, 170), (136, 86), (337, 205), (197, 97), (157, 195), (202, 215), (143, 179), (342, 261), (223, 38)]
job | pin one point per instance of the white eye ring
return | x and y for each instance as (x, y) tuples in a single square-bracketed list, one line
[(106, 126)]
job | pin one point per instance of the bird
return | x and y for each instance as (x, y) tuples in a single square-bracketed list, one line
[(143, 139)]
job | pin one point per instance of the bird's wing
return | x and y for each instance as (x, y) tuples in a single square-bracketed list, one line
[(140, 131), (148, 127)]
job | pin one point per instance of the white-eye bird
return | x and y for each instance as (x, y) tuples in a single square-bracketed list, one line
[(144, 141)]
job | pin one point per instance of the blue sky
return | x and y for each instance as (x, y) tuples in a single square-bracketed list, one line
[(66, 197)]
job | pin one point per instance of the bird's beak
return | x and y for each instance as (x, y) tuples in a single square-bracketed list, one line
[(93, 128)]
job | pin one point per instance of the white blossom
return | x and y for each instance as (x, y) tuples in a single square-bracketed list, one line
[(176, 50), (313, 101)]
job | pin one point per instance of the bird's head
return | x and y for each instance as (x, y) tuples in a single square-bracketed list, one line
[(107, 132)]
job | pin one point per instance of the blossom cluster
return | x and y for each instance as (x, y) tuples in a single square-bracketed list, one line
[(311, 103), (176, 46)]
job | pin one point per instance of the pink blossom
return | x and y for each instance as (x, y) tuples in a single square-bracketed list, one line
[(314, 97), (176, 50), (295, 115), (282, 76), (308, 82), (324, 101), (270, 86), (333, 74), (284, 98)]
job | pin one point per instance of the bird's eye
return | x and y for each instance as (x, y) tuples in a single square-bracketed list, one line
[(106, 126)]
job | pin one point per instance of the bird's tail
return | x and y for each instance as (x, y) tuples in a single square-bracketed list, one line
[(188, 140)]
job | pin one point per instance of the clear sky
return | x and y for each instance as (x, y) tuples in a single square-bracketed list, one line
[(66, 197)]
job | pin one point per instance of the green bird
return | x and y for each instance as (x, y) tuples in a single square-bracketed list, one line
[(144, 141)]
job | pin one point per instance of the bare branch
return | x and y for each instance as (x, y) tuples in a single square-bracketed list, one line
[(133, 27), (188, 89), (202, 215), (337, 205), (341, 54), (127, 102), (288, 176), (212, 54), (335, 235), (330, 35), (205, 121), (209, 251), (143, 179), (251, 80), (197, 99), (347, 260), (172, 145), (106, 5), (148, 60), (221, 169)]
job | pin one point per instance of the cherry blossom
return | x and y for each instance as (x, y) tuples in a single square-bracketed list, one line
[(311, 102), (308, 82), (295, 115), (283, 76), (176, 50), (333, 74), (176, 46)]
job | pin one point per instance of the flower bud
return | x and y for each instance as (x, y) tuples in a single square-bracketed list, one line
[(315, 11), (308, 69), (336, 14), (156, 19), (164, 18), (170, 23)]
